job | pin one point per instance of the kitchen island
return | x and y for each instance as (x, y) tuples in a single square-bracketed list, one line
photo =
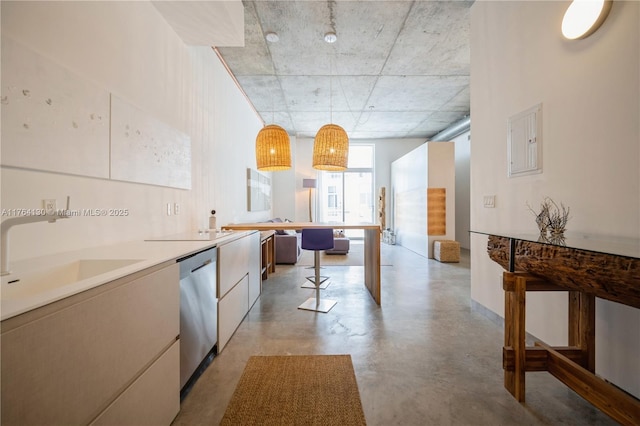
[(371, 244)]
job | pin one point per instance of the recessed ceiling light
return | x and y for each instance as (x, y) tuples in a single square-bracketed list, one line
[(583, 17), (272, 37), (330, 37)]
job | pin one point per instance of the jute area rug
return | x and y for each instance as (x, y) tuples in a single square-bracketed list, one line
[(296, 390)]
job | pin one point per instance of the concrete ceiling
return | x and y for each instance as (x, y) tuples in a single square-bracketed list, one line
[(193, 21), (399, 69)]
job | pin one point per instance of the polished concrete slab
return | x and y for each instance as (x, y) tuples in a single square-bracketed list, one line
[(425, 357)]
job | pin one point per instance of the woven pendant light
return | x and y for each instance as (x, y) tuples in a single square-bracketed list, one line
[(331, 145), (273, 149), (331, 148)]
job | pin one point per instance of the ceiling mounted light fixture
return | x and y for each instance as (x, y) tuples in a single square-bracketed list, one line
[(584, 17), (330, 37), (273, 149), (272, 37)]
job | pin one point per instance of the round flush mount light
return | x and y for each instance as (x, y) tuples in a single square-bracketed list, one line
[(272, 37), (330, 37), (584, 17)]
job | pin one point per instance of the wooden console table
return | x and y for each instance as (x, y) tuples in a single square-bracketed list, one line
[(587, 268), (371, 245), (268, 253)]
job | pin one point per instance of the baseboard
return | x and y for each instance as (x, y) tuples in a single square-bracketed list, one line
[(488, 313), (497, 319)]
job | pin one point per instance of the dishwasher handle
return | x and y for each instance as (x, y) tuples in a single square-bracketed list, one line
[(194, 262), (206, 262)]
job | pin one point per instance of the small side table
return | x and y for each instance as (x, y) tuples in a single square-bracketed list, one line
[(268, 257)]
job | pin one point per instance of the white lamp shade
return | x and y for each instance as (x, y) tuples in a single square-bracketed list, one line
[(584, 17)]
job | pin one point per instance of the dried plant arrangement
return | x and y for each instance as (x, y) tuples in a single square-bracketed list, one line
[(558, 218), (551, 218), (542, 217)]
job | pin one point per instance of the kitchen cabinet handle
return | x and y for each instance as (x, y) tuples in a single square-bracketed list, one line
[(206, 262)]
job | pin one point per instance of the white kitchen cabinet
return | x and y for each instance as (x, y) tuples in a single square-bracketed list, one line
[(238, 272), (150, 400), (231, 311), (233, 263), (107, 354)]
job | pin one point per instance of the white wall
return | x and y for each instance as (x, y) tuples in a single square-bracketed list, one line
[(463, 219), (431, 165), (283, 185), (128, 49), (589, 90), (304, 170), (388, 151), (409, 182)]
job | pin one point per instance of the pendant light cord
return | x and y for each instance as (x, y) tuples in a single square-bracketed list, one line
[(331, 89)]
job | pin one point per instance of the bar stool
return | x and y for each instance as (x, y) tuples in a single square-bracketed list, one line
[(310, 282), (317, 239)]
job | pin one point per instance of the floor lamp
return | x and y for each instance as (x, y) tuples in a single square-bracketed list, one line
[(309, 183)]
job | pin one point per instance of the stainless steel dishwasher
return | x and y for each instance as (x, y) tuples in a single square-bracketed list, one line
[(198, 315)]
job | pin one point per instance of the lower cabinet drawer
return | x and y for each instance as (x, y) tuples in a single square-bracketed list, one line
[(233, 263), (153, 399), (67, 367), (231, 310)]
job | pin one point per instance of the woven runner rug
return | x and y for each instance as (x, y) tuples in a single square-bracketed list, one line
[(296, 390)]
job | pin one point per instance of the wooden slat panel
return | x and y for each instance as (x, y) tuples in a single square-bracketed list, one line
[(436, 211)]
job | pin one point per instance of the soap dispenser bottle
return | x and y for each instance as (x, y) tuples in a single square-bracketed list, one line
[(212, 221)]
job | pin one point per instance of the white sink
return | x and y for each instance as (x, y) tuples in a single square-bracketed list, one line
[(18, 285)]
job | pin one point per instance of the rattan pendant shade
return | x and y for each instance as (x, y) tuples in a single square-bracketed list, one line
[(331, 148), (273, 149)]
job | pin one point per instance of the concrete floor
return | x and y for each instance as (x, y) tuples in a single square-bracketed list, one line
[(423, 358)]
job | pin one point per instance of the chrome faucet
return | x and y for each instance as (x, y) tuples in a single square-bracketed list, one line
[(7, 224)]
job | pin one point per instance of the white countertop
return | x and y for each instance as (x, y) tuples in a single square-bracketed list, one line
[(142, 255)]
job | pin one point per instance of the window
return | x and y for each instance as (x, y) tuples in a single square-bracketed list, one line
[(348, 196), (332, 201)]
